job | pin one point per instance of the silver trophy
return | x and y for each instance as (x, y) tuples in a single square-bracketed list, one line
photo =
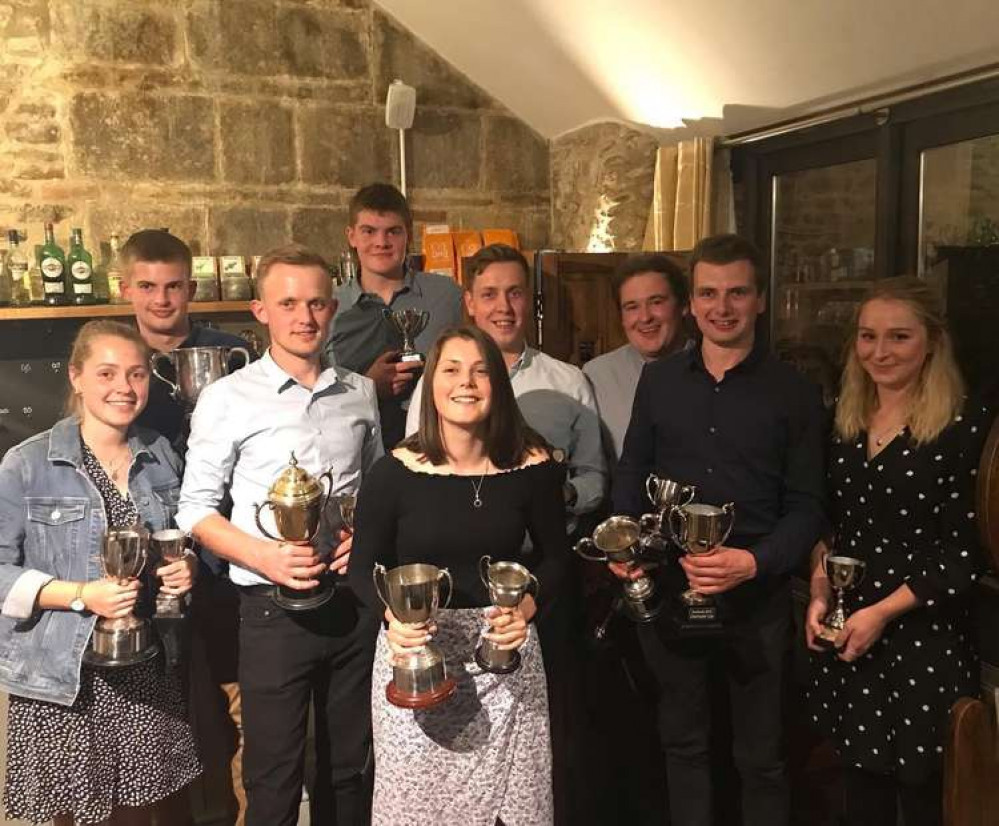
[(170, 546), (664, 494), (699, 529), (123, 640), (195, 368), (413, 594), (620, 539), (508, 583), (845, 573), (409, 324)]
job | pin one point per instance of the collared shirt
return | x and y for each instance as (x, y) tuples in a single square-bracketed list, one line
[(614, 377), (557, 401), (246, 426), (756, 438), (361, 333), (164, 413)]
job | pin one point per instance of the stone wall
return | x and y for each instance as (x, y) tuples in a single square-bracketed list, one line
[(240, 124), (602, 180)]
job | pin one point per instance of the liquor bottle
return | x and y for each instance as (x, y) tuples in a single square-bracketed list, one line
[(115, 272), (16, 270), (34, 281), (81, 269), (52, 263), (6, 286)]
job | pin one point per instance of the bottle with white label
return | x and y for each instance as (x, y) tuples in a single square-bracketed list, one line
[(15, 270), (80, 264), (52, 263)]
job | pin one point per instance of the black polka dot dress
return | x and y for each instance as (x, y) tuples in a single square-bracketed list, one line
[(125, 740), (909, 514)]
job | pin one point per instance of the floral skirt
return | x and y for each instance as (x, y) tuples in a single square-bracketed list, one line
[(125, 741)]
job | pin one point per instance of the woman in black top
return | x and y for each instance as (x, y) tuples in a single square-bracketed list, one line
[(472, 481), (902, 484)]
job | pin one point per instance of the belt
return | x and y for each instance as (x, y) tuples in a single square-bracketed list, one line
[(256, 590)]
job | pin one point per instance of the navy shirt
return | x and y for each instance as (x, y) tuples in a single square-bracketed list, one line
[(756, 438)]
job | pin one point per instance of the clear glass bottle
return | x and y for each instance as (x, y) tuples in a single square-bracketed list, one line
[(15, 272), (115, 272)]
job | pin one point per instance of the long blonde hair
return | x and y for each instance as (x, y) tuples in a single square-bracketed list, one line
[(83, 346), (939, 392)]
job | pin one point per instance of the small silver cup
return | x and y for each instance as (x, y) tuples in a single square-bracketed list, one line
[(665, 494), (845, 573), (413, 594), (508, 583), (409, 324), (699, 529), (169, 546)]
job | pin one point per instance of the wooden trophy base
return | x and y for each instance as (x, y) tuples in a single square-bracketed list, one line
[(424, 700)]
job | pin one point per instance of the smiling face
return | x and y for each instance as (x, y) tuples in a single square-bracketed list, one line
[(461, 384), (892, 343), (650, 313), (295, 304), (380, 239), (112, 383), (159, 292), (498, 305), (725, 303)]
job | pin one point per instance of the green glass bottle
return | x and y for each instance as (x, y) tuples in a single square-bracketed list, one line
[(80, 264), (52, 263)]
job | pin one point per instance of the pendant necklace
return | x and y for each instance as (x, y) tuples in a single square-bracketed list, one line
[(477, 486)]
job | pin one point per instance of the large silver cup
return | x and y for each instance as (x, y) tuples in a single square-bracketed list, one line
[(409, 324), (195, 368), (620, 539), (508, 583), (699, 529), (845, 573), (169, 546), (413, 594), (124, 640)]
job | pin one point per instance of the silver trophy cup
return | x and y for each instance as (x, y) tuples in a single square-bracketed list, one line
[(845, 573), (124, 640), (620, 539), (169, 546), (195, 368), (409, 324), (508, 583), (699, 529), (664, 494), (413, 594)]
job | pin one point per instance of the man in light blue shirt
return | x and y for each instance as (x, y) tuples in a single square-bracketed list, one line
[(243, 432)]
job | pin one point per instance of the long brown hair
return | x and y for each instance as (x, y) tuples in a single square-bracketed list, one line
[(507, 437), (939, 391), (83, 347)]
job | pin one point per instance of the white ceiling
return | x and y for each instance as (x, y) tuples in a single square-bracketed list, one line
[(559, 64)]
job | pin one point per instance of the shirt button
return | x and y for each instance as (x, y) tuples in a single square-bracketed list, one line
[(712, 430), (56, 514), (711, 470), (717, 389)]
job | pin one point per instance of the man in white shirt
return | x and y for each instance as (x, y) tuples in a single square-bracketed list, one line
[(243, 432)]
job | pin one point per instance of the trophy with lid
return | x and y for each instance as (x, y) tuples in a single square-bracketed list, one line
[(297, 500)]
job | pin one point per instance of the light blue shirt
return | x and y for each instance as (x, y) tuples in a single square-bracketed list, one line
[(557, 401), (614, 377), (246, 426)]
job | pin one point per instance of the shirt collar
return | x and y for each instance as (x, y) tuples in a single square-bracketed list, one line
[(65, 442), (523, 360), (695, 359), (281, 380), (352, 292)]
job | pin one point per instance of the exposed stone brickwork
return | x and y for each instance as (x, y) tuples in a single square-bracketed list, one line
[(243, 124)]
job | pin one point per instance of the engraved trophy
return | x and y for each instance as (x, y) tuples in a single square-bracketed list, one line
[(508, 583), (409, 324), (195, 368), (664, 494), (845, 573), (621, 539), (413, 594), (169, 546), (123, 640), (298, 501), (699, 529)]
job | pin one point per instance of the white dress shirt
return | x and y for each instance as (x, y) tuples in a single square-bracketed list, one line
[(246, 426), (557, 401)]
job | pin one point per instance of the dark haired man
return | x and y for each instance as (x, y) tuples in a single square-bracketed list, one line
[(652, 296), (362, 338), (743, 427), (245, 427)]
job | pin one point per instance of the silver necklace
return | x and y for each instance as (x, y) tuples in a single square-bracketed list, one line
[(477, 486)]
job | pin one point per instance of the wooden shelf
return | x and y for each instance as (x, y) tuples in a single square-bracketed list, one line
[(111, 310), (844, 284)]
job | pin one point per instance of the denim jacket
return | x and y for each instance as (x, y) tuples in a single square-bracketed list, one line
[(52, 519)]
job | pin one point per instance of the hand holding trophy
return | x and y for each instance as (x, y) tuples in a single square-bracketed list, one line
[(508, 583), (699, 529), (844, 573), (409, 324)]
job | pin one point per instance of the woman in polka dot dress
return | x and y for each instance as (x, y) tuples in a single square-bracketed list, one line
[(88, 745), (902, 487)]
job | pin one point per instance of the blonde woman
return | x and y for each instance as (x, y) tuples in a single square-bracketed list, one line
[(88, 745), (902, 484)]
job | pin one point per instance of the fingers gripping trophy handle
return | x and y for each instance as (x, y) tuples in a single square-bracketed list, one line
[(582, 547), (378, 577), (154, 360), (446, 574), (242, 351), (260, 527)]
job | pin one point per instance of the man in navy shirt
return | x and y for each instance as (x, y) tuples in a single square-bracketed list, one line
[(743, 427)]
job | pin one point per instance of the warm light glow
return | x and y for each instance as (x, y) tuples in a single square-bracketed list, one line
[(601, 239)]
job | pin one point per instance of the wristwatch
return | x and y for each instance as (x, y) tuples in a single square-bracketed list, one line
[(77, 603)]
